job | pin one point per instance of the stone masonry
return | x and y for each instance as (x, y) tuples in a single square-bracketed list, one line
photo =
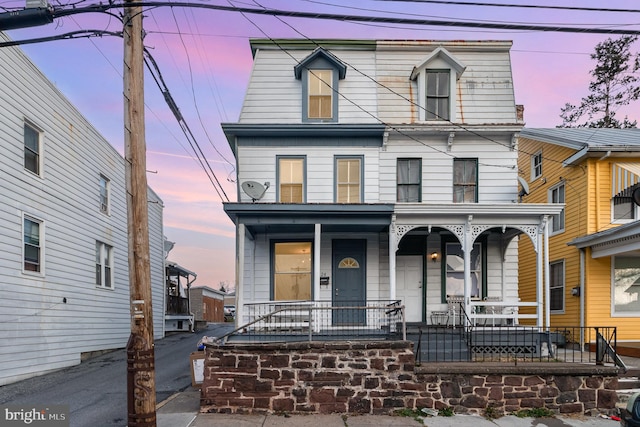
[(381, 377)]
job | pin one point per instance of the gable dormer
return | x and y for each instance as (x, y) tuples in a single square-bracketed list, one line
[(320, 74), (437, 77)]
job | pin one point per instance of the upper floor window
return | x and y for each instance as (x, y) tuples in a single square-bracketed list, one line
[(32, 149), (105, 185), (409, 172), (625, 180), (104, 265), (436, 77), (320, 103), (556, 195), (32, 240), (291, 179), (465, 180), (556, 285), (536, 165), (320, 73), (437, 95), (349, 180)]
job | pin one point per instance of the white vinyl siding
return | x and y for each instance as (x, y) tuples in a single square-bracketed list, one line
[(65, 199)]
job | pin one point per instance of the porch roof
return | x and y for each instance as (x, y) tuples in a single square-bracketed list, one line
[(618, 240), (486, 213), (291, 217)]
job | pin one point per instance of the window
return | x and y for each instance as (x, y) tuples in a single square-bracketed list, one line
[(32, 240), (292, 271), (104, 194), (348, 180), (104, 265), (626, 285), (556, 195), (556, 285), (465, 180), (409, 172), (455, 270), (31, 149), (536, 165), (291, 179), (623, 208), (320, 88), (437, 95)]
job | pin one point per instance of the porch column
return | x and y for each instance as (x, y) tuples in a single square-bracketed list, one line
[(539, 272), (467, 247), (392, 262), (547, 281), (316, 262), (240, 274)]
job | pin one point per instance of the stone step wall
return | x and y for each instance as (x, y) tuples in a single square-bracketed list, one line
[(380, 377)]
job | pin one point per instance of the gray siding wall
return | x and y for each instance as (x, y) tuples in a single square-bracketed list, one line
[(39, 332)]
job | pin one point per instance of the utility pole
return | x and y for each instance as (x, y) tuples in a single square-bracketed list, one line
[(141, 384)]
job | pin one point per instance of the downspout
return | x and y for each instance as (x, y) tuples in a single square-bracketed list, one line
[(240, 231)]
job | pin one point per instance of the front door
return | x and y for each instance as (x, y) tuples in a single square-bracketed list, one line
[(409, 286), (349, 281)]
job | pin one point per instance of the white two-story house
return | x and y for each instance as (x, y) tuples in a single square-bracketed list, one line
[(64, 272), (382, 170)]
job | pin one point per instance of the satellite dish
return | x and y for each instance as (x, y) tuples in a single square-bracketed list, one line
[(254, 189), (525, 187), (636, 196)]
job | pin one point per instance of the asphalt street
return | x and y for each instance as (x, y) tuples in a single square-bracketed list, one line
[(96, 390)]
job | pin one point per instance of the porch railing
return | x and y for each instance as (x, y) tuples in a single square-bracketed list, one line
[(279, 321), (573, 344)]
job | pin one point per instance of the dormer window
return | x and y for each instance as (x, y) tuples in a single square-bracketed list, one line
[(436, 78), (437, 95), (320, 93), (320, 74)]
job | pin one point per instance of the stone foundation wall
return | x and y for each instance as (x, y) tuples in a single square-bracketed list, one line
[(380, 377)]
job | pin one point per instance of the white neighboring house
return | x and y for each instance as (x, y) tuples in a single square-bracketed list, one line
[(64, 271), (374, 170)]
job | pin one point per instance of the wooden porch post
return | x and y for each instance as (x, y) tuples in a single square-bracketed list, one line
[(316, 262), (467, 247), (539, 272), (239, 274), (392, 261), (547, 281)]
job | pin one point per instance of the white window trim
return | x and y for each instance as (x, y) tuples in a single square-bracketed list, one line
[(422, 95), (612, 299), (533, 169), (40, 173), (101, 285), (40, 221), (107, 210), (564, 213), (564, 287)]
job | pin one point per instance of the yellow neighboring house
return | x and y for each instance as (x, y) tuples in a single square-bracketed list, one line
[(594, 244)]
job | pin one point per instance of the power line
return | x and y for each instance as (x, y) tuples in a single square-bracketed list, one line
[(352, 18)]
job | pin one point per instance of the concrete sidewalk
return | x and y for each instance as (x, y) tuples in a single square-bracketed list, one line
[(182, 410)]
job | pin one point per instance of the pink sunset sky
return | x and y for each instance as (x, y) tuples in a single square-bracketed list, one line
[(205, 60)]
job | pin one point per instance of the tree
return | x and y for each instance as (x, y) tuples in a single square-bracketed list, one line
[(615, 84)]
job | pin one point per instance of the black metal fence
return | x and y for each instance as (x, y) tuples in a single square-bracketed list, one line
[(572, 344)]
